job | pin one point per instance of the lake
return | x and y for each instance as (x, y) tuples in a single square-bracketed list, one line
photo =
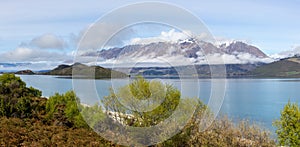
[(259, 100)]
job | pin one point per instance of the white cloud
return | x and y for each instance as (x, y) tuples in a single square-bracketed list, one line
[(239, 58), (288, 53), (177, 60), (227, 41), (35, 59), (101, 33), (48, 41), (173, 36), (23, 54), (42, 52), (170, 36), (36, 66)]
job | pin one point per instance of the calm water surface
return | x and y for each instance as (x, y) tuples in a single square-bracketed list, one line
[(258, 100)]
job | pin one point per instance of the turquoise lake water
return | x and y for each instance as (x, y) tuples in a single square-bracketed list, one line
[(259, 100)]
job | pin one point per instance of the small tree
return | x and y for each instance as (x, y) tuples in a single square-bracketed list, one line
[(288, 127), (139, 94), (65, 105), (144, 103)]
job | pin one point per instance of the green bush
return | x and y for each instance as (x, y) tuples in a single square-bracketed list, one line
[(141, 89), (14, 87), (92, 115), (63, 107), (288, 127), (15, 97)]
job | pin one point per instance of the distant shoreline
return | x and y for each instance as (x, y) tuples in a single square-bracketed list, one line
[(161, 77)]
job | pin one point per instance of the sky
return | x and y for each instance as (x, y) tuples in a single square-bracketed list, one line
[(47, 32)]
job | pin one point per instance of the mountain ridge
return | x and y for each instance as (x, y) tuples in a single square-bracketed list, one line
[(189, 51)]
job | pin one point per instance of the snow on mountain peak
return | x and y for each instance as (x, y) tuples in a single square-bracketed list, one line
[(224, 43), (171, 36)]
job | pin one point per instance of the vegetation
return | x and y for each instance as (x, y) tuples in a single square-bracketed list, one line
[(33, 132), (140, 94), (16, 100), (25, 72), (26, 119), (29, 120), (288, 127), (222, 132), (63, 108)]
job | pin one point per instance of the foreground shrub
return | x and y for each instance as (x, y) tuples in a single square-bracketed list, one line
[(62, 108), (15, 97), (18, 132), (65, 109), (13, 87), (288, 127)]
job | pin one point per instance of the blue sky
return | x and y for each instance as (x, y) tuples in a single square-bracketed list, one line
[(271, 25)]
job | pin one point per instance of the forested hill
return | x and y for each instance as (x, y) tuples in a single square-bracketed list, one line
[(84, 71), (284, 68)]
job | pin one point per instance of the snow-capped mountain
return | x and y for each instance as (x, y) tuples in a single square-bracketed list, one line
[(184, 52)]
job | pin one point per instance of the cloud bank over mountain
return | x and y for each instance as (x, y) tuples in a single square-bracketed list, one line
[(287, 53)]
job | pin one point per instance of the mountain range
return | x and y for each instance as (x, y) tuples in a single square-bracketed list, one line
[(160, 58), (183, 52), (164, 59)]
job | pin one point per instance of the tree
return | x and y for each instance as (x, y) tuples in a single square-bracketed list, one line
[(23, 107), (63, 107), (92, 114), (144, 103), (136, 98), (288, 127)]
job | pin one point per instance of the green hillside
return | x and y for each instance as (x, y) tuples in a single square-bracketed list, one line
[(83, 71), (285, 68)]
